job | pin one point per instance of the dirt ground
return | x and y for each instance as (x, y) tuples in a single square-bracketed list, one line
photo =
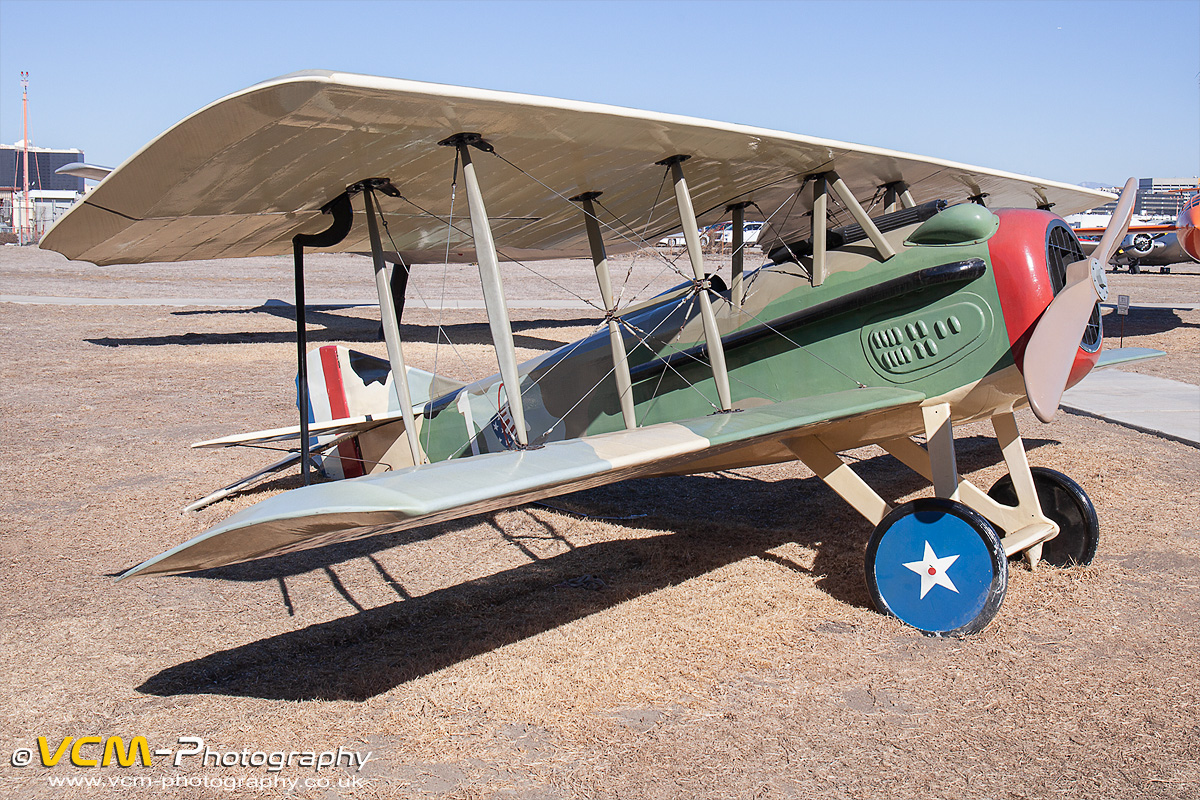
[(698, 637)]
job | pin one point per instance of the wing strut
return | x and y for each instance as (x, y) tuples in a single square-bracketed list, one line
[(691, 234), (820, 219), (343, 216), (387, 313), (737, 289), (860, 216), (897, 196), (617, 340), (489, 276)]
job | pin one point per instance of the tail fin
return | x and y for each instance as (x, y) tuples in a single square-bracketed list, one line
[(346, 383)]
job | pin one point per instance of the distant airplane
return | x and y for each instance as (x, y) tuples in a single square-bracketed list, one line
[(1154, 245)]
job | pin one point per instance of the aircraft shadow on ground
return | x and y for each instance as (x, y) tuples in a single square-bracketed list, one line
[(1144, 322), (716, 520), (345, 327)]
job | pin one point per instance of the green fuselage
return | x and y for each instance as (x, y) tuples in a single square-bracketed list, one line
[(926, 320)]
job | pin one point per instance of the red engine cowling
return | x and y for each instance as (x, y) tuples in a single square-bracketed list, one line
[(1030, 253)]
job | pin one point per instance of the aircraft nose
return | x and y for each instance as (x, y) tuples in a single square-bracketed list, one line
[(1188, 228)]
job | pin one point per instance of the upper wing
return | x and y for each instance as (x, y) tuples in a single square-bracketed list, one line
[(352, 509), (245, 174)]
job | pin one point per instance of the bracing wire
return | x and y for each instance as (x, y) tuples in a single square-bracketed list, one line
[(440, 330), (505, 255), (793, 199), (654, 205), (640, 241), (643, 337), (668, 264)]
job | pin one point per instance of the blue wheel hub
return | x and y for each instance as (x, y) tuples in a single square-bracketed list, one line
[(938, 566)]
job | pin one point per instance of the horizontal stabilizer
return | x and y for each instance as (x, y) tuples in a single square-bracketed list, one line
[(364, 383), (334, 427), (322, 514)]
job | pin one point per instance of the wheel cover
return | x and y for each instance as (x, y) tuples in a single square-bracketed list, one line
[(938, 566)]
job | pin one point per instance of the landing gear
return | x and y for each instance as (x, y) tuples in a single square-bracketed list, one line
[(938, 566), (1134, 268), (941, 564), (1064, 502)]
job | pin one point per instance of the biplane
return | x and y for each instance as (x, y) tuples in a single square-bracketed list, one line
[(900, 296)]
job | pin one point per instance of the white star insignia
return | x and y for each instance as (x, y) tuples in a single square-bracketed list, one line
[(933, 570)]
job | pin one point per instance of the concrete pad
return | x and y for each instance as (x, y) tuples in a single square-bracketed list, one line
[(1156, 405)]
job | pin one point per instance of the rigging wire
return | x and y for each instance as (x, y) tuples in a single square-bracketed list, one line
[(644, 339), (437, 342), (642, 336), (654, 205), (668, 264), (639, 242), (502, 253), (441, 331)]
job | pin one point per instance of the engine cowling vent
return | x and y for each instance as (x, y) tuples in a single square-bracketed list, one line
[(1063, 248)]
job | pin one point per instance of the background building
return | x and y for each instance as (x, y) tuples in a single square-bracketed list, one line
[(1164, 196), (1156, 197), (50, 195)]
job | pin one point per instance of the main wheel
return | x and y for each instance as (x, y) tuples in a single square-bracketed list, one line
[(1064, 502), (938, 566)]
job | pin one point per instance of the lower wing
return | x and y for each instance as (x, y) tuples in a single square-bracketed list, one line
[(322, 514)]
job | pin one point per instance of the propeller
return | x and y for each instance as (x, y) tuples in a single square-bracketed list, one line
[(1050, 353)]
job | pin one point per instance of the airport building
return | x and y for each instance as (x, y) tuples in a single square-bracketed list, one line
[(1156, 197), (1164, 196), (50, 195)]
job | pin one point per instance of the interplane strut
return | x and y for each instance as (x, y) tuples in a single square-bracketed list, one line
[(691, 234), (604, 279), (493, 288), (391, 326)]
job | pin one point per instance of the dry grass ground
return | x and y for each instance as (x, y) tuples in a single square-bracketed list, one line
[(706, 636)]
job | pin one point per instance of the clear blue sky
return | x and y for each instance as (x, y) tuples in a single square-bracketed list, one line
[(1071, 91)]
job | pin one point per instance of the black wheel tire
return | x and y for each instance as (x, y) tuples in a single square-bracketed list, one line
[(1134, 269), (980, 578), (1065, 502)]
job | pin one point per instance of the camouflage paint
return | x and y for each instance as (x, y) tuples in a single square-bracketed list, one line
[(932, 340)]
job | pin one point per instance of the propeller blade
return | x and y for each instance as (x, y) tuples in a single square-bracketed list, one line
[(1118, 223), (1051, 351)]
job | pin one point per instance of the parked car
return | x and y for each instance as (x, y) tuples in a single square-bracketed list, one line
[(750, 232), (676, 240), (720, 234)]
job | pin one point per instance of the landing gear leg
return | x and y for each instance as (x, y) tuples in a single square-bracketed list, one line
[(1065, 502), (1023, 526), (934, 563)]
